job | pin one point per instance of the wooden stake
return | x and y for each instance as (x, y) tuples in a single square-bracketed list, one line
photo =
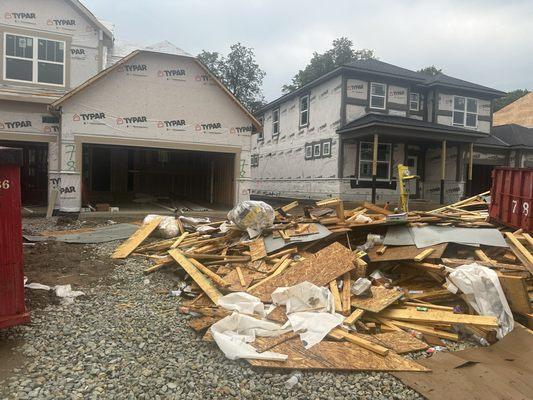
[(424, 254)]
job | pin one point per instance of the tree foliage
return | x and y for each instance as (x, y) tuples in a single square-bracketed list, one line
[(341, 53), (431, 70), (509, 98), (239, 72)]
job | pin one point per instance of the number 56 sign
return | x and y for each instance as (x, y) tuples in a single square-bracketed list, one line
[(5, 184)]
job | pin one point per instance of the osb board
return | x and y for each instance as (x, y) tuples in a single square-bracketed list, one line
[(257, 249), (342, 356), (319, 269), (202, 323), (381, 299), (278, 315), (400, 342), (126, 248), (515, 289), (263, 344), (394, 253), (235, 283), (311, 229)]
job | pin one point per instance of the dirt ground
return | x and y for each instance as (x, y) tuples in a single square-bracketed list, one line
[(52, 263)]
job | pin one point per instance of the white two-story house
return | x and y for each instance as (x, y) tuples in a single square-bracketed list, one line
[(319, 140), (100, 126)]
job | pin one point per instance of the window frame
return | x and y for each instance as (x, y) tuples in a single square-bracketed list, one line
[(315, 147), (35, 59), (327, 143), (254, 160), (361, 160), (465, 112), (308, 146), (301, 112), (275, 122), (379, 96), (260, 133), (417, 101)]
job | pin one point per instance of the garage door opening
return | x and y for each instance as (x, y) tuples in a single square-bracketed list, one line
[(33, 173), (481, 178), (119, 175)]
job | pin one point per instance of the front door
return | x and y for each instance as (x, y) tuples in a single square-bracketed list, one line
[(413, 185)]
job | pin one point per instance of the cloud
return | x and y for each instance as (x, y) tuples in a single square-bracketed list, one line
[(487, 42)]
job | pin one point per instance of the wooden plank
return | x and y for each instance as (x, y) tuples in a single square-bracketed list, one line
[(520, 251), (248, 275), (346, 293), (377, 209), (257, 249), (438, 316), (217, 280), (515, 289), (341, 356), (424, 254), (482, 256), (334, 289), (264, 343), (426, 266), (423, 329), (381, 299), (528, 238), (398, 253), (398, 341), (456, 262), (354, 316), (339, 334), (126, 248), (241, 276), (179, 240), (53, 198), (196, 275), (319, 268), (381, 250), (309, 229)]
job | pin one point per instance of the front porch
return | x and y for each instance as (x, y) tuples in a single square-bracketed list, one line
[(371, 148)]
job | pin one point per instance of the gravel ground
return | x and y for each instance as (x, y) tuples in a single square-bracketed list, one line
[(126, 339)]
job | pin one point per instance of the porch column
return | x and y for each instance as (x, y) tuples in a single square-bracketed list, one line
[(442, 171), (470, 169), (374, 167)]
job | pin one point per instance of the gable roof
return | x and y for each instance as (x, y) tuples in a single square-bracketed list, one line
[(381, 68), (132, 55), (519, 112), (510, 135), (85, 11)]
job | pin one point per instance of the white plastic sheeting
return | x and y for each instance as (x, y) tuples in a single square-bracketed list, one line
[(242, 302), (167, 228), (481, 289), (252, 216)]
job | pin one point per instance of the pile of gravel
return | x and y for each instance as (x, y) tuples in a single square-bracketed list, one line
[(126, 339)]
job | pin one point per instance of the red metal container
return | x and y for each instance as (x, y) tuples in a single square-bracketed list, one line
[(512, 197), (12, 309)]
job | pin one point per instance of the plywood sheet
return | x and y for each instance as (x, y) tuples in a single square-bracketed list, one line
[(309, 230), (320, 269), (249, 276), (515, 289), (381, 299), (126, 248), (257, 249), (400, 342), (202, 323), (394, 253), (342, 356)]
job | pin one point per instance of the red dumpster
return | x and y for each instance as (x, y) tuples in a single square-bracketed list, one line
[(12, 309), (512, 197)]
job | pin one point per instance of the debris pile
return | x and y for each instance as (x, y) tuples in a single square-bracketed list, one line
[(342, 289)]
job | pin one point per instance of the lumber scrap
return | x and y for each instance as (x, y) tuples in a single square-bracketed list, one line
[(456, 262), (257, 249), (438, 317), (426, 329), (398, 341), (217, 280), (520, 251), (340, 334), (319, 268), (341, 356), (424, 254), (346, 293), (126, 248), (381, 299), (377, 209), (334, 289), (354, 316), (398, 253), (515, 290), (196, 275)]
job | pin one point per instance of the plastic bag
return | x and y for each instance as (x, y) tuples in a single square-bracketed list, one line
[(168, 227), (252, 216), (482, 290), (360, 286)]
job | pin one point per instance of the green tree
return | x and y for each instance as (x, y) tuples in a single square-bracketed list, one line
[(341, 53), (509, 98), (239, 72), (431, 70)]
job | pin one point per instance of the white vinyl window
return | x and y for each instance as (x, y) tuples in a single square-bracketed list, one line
[(414, 102), (317, 148), (260, 136), (275, 122), (326, 148), (365, 161), (33, 59), (378, 95), (465, 111), (304, 110), (308, 151)]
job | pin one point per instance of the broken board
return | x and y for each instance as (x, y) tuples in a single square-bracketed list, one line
[(309, 230), (257, 249), (126, 248), (400, 342), (341, 356), (320, 269), (394, 253), (381, 299)]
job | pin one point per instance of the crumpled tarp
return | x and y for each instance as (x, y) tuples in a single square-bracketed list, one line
[(481, 289), (242, 302)]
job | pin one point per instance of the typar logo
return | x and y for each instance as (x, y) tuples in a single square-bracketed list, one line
[(134, 69), (78, 53), (19, 15), (90, 118), (15, 124), (208, 127), (172, 125), (51, 129), (202, 78), (138, 121), (176, 74), (241, 129), (61, 23)]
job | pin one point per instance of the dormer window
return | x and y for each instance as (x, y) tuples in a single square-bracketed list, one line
[(34, 60), (465, 111), (378, 95), (414, 102)]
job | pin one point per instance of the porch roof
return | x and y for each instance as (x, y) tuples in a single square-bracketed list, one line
[(406, 127)]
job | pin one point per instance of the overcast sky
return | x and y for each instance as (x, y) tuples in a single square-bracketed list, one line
[(489, 42)]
